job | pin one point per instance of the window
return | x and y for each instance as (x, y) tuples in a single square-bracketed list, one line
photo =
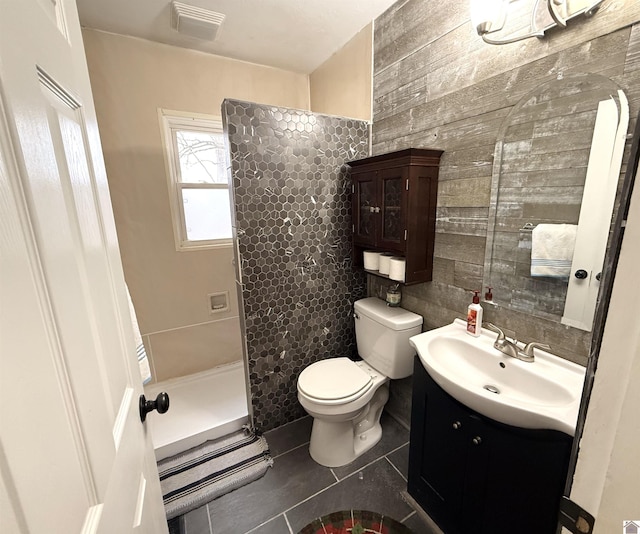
[(198, 179)]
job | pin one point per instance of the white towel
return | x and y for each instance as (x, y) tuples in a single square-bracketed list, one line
[(552, 249), (141, 353)]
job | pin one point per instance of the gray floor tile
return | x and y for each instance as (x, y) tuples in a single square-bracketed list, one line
[(378, 491), (418, 526), (196, 521), (277, 525), (286, 437), (293, 477), (393, 435), (176, 525), (400, 459)]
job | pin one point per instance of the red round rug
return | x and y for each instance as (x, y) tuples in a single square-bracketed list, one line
[(355, 522)]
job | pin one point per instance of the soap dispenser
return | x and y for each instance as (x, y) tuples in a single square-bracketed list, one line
[(474, 316)]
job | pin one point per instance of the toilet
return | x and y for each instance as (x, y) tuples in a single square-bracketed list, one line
[(346, 398)]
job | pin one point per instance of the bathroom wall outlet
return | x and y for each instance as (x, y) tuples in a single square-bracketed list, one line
[(218, 302)]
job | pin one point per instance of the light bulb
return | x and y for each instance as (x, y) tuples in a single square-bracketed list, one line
[(488, 15)]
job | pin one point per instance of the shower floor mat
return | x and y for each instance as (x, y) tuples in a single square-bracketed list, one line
[(199, 475)]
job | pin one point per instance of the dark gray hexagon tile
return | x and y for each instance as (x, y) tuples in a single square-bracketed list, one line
[(379, 490), (293, 477), (290, 182)]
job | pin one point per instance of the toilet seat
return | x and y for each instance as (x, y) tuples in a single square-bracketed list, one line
[(334, 381)]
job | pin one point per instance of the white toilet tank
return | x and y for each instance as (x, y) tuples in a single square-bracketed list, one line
[(382, 336)]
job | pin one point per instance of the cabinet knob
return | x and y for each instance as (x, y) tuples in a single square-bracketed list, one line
[(457, 425), (377, 209), (477, 440)]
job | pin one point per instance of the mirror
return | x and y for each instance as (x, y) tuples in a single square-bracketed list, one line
[(557, 164)]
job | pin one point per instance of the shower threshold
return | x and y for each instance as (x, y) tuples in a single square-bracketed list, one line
[(203, 406)]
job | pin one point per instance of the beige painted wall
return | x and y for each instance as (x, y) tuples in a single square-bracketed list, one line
[(342, 84), (132, 78)]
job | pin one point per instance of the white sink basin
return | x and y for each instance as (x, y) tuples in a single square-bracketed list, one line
[(542, 394)]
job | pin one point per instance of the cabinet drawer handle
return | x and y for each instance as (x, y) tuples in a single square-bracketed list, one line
[(477, 440), (457, 425)]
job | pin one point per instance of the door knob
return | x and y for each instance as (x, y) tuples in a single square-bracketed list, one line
[(161, 404), (581, 274)]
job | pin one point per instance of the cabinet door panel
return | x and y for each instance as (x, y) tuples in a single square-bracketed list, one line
[(438, 450), (421, 226), (525, 474), (393, 212), (478, 446), (365, 208)]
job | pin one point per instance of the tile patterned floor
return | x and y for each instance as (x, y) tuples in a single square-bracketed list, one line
[(297, 490)]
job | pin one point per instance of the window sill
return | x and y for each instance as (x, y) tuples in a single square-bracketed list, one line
[(207, 245)]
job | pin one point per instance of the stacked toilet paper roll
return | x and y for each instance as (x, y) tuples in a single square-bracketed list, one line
[(384, 262), (371, 260), (397, 267)]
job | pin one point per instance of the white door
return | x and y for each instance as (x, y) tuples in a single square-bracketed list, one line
[(74, 456)]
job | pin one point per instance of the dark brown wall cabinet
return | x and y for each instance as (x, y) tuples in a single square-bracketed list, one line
[(473, 474), (394, 208)]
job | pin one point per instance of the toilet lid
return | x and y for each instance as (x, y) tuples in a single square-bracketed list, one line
[(332, 379)]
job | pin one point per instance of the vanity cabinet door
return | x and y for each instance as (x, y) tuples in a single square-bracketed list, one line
[(478, 448), (525, 472), (437, 451)]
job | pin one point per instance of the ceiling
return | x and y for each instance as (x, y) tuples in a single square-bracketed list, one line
[(296, 35)]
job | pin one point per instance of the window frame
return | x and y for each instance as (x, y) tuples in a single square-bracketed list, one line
[(171, 121)]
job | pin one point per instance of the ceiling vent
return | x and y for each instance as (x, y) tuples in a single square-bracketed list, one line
[(195, 21)]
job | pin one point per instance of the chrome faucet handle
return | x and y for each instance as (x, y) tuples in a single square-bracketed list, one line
[(497, 330), (528, 348)]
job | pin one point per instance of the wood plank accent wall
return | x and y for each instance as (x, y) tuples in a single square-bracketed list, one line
[(438, 85)]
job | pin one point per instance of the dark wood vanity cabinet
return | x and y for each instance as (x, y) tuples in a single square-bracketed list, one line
[(473, 474), (394, 208)]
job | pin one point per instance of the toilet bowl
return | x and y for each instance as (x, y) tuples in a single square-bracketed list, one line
[(346, 398)]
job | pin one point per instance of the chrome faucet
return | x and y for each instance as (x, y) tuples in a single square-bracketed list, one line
[(502, 343), (510, 348), (528, 349)]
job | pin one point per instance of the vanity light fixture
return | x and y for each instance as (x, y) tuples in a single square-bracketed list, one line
[(490, 16)]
